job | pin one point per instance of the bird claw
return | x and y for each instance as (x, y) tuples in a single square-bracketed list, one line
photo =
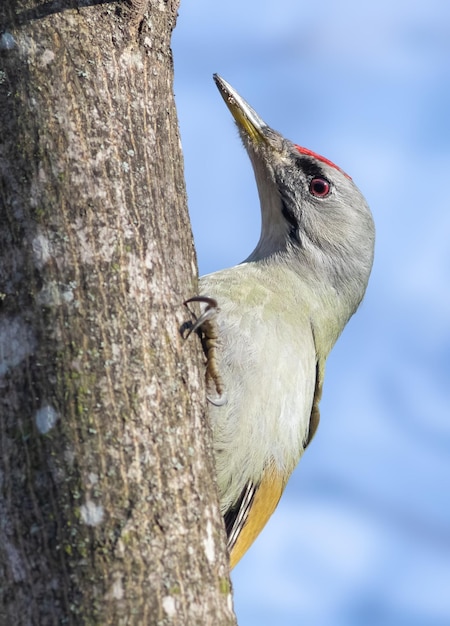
[(207, 324), (219, 401), (209, 312)]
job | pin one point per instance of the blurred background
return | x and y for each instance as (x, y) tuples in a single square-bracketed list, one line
[(362, 534)]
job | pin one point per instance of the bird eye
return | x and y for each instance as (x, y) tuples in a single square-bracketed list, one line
[(319, 187)]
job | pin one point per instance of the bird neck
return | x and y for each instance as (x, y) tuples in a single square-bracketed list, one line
[(305, 297)]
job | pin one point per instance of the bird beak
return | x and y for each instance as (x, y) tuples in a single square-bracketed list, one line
[(246, 118)]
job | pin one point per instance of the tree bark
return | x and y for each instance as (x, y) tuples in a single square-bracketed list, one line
[(108, 506)]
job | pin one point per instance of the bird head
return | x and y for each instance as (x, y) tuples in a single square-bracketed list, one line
[(314, 218)]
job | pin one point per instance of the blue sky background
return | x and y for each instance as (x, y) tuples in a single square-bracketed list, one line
[(362, 534)]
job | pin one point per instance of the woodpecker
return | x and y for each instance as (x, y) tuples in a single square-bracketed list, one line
[(270, 322)]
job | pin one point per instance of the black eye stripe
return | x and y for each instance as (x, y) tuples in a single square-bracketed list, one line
[(309, 168), (292, 221), (288, 214)]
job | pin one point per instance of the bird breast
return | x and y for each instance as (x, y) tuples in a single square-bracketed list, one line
[(267, 360)]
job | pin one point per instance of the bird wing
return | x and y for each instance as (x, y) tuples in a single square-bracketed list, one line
[(245, 520), (315, 412)]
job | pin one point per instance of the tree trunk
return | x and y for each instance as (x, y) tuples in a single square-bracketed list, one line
[(108, 508)]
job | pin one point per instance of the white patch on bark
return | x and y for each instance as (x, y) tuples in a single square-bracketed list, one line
[(47, 57), (169, 606), (92, 514), (150, 255), (7, 41), (41, 250), (208, 543), (15, 562), (117, 591), (55, 294), (132, 59), (16, 343), (69, 457), (45, 418), (93, 478)]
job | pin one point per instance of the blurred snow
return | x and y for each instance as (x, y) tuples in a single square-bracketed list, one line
[(362, 535)]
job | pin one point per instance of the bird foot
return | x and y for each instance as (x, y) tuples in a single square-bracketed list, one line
[(206, 323)]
